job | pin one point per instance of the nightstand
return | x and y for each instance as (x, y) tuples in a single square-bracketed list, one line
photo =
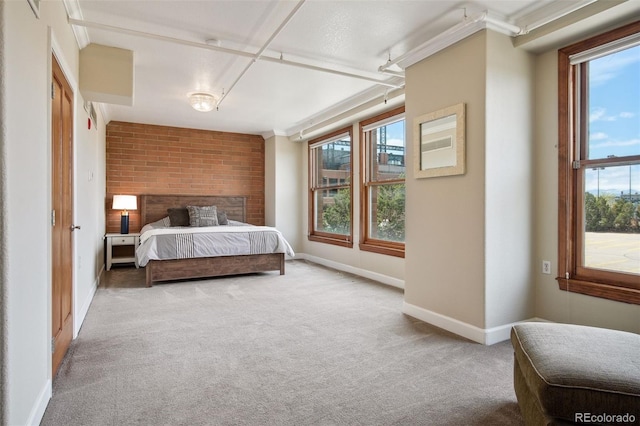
[(113, 240)]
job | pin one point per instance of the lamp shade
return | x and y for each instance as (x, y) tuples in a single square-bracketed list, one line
[(125, 202)]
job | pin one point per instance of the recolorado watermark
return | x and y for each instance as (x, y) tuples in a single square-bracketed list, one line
[(604, 418)]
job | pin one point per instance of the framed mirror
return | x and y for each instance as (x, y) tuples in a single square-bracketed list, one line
[(439, 139)]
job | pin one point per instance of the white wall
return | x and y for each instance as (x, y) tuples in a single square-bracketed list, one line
[(3, 228), (90, 183), (552, 303), (270, 202), (469, 244), (445, 259), (27, 200), (283, 184), (508, 183), (26, 194)]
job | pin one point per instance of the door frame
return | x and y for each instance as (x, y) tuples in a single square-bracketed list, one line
[(56, 50)]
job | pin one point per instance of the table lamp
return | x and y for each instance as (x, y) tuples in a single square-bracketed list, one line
[(125, 203)]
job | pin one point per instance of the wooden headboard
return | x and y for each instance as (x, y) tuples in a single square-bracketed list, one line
[(154, 207)]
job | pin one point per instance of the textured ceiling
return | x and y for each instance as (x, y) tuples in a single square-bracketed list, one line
[(263, 96)]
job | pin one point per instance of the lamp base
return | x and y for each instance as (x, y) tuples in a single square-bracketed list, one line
[(124, 224)]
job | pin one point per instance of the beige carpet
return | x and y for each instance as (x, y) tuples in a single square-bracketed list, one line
[(312, 347)]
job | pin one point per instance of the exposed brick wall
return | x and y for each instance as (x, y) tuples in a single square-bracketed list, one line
[(147, 159)]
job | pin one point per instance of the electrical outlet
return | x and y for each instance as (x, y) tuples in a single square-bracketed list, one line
[(546, 267)]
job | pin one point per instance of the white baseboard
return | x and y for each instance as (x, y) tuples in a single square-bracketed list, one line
[(37, 412), (81, 313), (485, 336), (384, 279)]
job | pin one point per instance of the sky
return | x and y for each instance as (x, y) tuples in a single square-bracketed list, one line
[(614, 120), (395, 133)]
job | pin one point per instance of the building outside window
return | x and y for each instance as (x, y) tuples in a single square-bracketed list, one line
[(330, 190), (383, 170), (599, 166)]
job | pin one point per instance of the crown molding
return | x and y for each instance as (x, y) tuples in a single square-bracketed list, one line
[(104, 110), (460, 31), (597, 16), (538, 15), (74, 12), (356, 108), (273, 133)]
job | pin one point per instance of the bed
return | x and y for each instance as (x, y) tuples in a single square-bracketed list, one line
[(154, 215)]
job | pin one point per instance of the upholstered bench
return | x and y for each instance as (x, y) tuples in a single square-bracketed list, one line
[(571, 374)]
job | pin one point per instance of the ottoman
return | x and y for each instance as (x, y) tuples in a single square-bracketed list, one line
[(572, 374)]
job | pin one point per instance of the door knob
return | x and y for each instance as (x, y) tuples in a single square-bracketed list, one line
[(74, 227)]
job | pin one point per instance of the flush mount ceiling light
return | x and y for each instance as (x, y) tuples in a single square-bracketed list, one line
[(203, 102)]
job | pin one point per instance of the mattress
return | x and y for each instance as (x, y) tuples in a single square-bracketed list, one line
[(159, 241)]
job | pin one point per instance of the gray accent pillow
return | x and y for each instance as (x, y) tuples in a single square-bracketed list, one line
[(203, 216), (179, 216), (222, 218)]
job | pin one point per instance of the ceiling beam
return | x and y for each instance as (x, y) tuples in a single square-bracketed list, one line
[(393, 83)]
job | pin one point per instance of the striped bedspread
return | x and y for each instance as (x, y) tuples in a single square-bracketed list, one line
[(158, 242)]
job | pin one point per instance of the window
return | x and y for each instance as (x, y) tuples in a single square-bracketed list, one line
[(599, 166), (330, 192), (382, 223)]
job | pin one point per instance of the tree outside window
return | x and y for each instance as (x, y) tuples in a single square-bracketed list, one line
[(599, 166), (330, 176), (383, 171)]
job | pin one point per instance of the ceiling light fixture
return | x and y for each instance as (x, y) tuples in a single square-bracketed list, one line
[(203, 102)]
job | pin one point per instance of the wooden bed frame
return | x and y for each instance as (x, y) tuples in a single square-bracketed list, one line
[(154, 207)]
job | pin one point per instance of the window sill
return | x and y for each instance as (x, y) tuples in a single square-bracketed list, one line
[(342, 242), (389, 250), (605, 291)]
